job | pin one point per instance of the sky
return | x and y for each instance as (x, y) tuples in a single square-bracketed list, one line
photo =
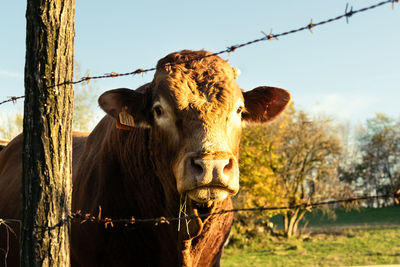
[(348, 71)]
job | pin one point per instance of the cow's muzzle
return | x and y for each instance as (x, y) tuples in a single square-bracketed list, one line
[(209, 177)]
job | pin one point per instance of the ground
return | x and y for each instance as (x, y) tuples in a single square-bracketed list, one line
[(364, 237)]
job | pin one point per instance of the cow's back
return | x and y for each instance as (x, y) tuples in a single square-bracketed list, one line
[(10, 182), (10, 193), (10, 200)]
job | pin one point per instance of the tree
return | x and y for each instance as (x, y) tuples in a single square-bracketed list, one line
[(310, 155), (11, 126), (47, 149), (85, 95), (258, 184), (84, 98), (377, 169), (292, 161)]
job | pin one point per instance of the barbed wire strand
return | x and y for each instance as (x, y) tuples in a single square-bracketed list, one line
[(8, 230), (87, 217), (308, 205), (267, 37), (12, 99)]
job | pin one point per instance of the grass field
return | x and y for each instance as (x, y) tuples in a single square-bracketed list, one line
[(365, 237)]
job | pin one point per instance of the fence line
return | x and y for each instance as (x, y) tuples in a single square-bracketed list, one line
[(12, 99), (156, 221), (267, 37), (87, 217)]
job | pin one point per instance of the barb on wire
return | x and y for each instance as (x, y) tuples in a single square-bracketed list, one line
[(348, 14), (269, 36), (160, 220), (12, 99), (233, 48), (310, 26), (108, 75), (87, 217)]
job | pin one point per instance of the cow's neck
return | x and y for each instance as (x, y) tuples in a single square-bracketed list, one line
[(135, 184), (139, 176)]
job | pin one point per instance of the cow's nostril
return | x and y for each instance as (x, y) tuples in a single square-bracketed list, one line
[(228, 167), (196, 167)]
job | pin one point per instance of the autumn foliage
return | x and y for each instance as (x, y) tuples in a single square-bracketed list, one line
[(290, 161)]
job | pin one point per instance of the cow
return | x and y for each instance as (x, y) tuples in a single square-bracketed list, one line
[(3, 144), (167, 149)]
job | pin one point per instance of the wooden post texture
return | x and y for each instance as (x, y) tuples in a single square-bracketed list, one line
[(47, 150)]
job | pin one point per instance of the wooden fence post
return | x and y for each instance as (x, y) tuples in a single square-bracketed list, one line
[(47, 150)]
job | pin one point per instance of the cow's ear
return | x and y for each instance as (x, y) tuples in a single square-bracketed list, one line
[(127, 106), (264, 103)]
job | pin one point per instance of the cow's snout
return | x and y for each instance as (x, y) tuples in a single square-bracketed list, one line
[(213, 172), (211, 177)]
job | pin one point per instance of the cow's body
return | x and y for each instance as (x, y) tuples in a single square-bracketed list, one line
[(3, 144), (143, 244), (180, 145)]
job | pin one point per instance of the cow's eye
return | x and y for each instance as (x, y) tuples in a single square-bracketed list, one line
[(158, 111), (239, 110)]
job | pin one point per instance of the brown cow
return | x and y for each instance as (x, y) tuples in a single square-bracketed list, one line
[(173, 142), (3, 144)]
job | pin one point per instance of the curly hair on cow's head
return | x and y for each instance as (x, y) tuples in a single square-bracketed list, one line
[(201, 64), (188, 59), (196, 72)]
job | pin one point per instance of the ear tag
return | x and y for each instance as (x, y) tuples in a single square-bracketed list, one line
[(126, 121), (118, 125)]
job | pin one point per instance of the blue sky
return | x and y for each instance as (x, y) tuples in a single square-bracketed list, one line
[(347, 71)]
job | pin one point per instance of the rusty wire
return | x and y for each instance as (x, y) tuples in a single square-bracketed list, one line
[(12, 99), (81, 217), (267, 37), (156, 221)]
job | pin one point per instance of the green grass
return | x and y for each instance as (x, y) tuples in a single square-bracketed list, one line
[(368, 237), (370, 216)]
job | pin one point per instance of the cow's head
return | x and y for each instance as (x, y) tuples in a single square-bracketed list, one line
[(195, 111)]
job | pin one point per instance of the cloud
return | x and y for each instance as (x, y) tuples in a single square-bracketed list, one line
[(10, 74)]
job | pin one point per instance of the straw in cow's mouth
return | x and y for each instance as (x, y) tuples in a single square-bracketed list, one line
[(202, 210), (182, 211)]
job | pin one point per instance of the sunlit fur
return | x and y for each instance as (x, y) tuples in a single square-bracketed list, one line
[(205, 97), (145, 171), (199, 105)]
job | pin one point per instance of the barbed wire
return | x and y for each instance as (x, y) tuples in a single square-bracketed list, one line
[(267, 37), (12, 99), (156, 221), (88, 217)]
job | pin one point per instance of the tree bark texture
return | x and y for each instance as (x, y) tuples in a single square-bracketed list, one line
[(47, 151), (291, 221)]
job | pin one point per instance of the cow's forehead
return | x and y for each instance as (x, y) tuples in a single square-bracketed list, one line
[(207, 82)]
